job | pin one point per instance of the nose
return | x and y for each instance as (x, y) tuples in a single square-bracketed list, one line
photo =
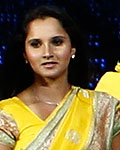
[(48, 52)]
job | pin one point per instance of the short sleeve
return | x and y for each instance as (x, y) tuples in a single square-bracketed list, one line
[(8, 129), (116, 127)]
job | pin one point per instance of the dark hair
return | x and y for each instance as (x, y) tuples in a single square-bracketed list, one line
[(78, 67), (21, 75), (41, 12)]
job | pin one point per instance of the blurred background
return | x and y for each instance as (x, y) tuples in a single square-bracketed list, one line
[(98, 19)]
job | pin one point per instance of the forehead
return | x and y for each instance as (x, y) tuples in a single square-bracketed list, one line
[(47, 25)]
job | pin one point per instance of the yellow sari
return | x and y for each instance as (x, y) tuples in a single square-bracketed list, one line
[(85, 120)]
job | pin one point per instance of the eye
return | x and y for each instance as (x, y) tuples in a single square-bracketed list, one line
[(35, 43), (57, 41)]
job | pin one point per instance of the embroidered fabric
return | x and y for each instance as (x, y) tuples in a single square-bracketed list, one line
[(8, 129), (48, 142), (100, 138), (104, 122), (116, 128), (47, 134)]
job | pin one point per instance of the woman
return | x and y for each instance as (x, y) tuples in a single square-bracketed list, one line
[(51, 113), (109, 82)]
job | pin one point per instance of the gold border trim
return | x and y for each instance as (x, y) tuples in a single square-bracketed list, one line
[(47, 130)]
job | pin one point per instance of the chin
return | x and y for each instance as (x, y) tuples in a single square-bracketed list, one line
[(53, 75)]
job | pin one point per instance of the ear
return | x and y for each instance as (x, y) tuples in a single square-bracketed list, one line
[(73, 51)]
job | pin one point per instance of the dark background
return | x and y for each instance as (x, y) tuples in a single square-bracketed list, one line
[(99, 21)]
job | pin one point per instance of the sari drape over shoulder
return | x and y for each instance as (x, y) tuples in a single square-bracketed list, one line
[(84, 120)]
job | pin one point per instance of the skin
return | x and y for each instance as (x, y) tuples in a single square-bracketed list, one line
[(48, 44), (48, 50)]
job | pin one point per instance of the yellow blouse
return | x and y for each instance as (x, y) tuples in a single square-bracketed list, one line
[(84, 119)]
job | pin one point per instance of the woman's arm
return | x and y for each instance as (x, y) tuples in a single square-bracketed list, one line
[(4, 147), (116, 143)]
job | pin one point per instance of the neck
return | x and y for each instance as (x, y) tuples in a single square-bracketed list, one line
[(59, 82), (52, 91)]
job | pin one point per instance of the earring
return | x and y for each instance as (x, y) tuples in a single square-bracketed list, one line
[(73, 56), (26, 61)]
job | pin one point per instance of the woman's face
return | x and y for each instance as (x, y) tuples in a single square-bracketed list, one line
[(48, 48)]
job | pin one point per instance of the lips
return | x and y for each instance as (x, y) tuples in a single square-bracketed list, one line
[(49, 64)]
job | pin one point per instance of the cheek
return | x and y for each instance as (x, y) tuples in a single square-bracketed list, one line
[(33, 62), (66, 53), (32, 57)]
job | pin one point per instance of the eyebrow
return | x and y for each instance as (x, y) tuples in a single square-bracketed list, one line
[(59, 36), (36, 39), (31, 40)]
